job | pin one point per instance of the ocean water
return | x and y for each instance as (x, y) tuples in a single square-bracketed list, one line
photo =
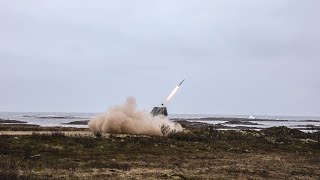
[(48, 119), (59, 119)]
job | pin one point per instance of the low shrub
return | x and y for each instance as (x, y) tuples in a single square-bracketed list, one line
[(4, 147), (187, 136), (109, 165), (48, 136), (57, 134)]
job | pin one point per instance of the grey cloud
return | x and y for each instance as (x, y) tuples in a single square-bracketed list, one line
[(243, 57)]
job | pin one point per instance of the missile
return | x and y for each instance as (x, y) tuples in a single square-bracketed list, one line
[(181, 82), (174, 92)]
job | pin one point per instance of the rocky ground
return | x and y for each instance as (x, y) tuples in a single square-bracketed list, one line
[(8, 121)]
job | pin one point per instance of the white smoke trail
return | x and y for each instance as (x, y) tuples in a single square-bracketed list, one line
[(172, 93), (126, 119)]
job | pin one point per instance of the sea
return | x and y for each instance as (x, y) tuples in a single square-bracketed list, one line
[(52, 119)]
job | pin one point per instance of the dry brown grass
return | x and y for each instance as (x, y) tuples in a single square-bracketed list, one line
[(196, 154)]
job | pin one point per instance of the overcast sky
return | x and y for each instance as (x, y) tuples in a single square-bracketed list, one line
[(239, 57)]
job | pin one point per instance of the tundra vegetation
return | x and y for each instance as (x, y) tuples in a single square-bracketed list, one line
[(195, 153)]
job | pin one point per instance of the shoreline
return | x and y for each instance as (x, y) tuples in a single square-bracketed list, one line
[(215, 122), (234, 124)]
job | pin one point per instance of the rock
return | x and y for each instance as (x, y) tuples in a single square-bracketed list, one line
[(241, 122), (78, 123), (8, 121)]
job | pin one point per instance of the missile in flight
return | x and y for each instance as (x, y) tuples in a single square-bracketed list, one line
[(174, 91), (181, 82)]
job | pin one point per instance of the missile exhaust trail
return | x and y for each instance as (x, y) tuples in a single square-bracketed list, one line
[(174, 91)]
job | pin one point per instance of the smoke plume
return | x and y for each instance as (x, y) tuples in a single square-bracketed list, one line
[(172, 93), (127, 119)]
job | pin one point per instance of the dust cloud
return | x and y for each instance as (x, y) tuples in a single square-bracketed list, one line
[(127, 119)]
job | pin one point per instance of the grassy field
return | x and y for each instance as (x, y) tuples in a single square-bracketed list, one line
[(197, 153)]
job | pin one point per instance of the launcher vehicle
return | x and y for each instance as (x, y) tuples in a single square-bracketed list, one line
[(156, 111)]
